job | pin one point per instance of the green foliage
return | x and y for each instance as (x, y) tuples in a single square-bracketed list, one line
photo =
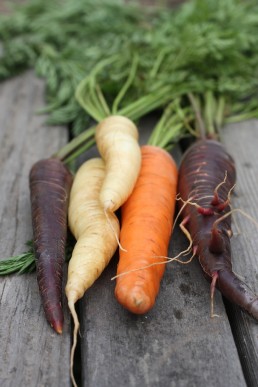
[(63, 41), (23, 263), (205, 45), (26, 262)]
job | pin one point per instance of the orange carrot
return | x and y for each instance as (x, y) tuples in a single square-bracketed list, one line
[(147, 219)]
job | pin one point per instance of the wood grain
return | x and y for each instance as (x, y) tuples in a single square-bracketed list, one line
[(31, 353), (242, 142)]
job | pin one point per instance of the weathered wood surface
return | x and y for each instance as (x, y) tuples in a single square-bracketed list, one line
[(31, 353), (175, 344), (242, 140)]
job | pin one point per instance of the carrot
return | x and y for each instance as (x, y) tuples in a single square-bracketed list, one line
[(50, 183), (100, 188), (95, 232), (205, 207), (147, 218), (117, 142), (122, 155)]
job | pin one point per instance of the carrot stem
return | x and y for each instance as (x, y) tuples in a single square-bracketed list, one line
[(76, 153), (209, 112), (126, 85), (220, 114), (82, 140), (102, 101), (171, 126), (198, 116)]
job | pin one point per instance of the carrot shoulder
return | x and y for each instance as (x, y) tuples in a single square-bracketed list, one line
[(50, 183), (147, 219)]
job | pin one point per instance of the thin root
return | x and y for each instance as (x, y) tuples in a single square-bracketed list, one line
[(188, 201), (230, 191), (181, 209), (186, 232), (215, 224), (216, 196), (166, 261), (213, 286), (238, 229), (75, 333), (200, 209), (116, 236)]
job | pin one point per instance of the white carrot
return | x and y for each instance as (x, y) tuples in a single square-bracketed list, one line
[(96, 234), (117, 142)]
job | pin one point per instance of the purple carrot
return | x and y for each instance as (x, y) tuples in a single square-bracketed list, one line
[(50, 184), (207, 218)]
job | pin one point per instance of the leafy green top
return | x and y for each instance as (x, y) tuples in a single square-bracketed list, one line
[(202, 47)]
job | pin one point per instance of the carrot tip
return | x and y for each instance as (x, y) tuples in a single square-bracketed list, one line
[(137, 302), (109, 205), (58, 327)]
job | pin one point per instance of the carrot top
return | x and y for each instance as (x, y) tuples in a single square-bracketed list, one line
[(202, 46)]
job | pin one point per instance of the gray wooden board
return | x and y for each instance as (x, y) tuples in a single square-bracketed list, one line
[(242, 142), (31, 353), (175, 344)]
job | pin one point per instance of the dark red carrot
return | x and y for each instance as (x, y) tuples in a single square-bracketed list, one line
[(50, 183), (204, 167)]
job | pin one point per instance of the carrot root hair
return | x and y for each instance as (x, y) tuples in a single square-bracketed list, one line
[(114, 231), (213, 286), (215, 224), (165, 262), (71, 305)]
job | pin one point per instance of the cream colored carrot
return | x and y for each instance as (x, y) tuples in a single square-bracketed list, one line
[(117, 142), (96, 234)]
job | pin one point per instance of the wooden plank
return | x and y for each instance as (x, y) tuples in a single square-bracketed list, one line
[(175, 344), (31, 353), (242, 142)]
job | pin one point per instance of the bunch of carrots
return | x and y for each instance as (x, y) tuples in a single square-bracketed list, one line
[(125, 175), (145, 183)]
